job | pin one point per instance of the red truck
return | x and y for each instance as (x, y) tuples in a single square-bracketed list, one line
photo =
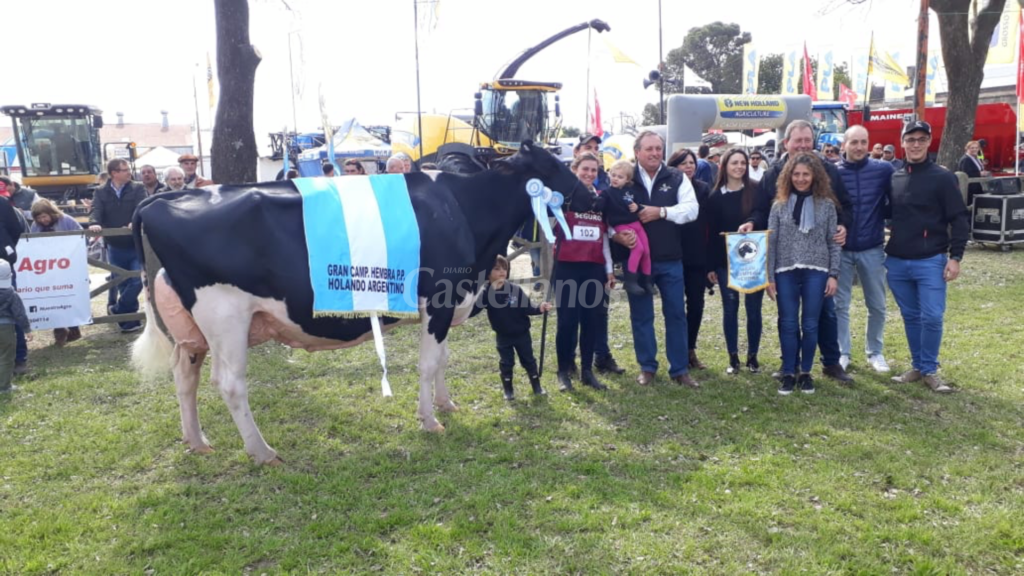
[(995, 123)]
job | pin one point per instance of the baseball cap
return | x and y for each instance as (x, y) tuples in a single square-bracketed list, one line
[(889, 148), (716, 151), (588, 137), (5, 275), (917, 126), (187, 157)]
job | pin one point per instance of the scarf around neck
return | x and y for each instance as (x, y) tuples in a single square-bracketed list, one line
[(801, 206)]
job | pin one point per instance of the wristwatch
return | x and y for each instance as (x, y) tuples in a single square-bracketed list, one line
[(664, 212)]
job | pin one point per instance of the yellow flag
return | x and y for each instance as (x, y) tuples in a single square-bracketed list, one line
[(790, 72), (883, 65), (618, 55), (1003, 47), (751, 68), (209, 81)]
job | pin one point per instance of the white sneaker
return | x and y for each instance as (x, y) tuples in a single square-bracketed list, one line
[(844, 361), (879, 364)]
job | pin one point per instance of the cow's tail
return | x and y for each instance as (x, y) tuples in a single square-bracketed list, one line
[(151, 353)]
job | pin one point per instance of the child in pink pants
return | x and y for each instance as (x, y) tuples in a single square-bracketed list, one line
[(621, 213)]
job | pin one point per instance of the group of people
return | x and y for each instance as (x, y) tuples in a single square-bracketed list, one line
[(827, 222)]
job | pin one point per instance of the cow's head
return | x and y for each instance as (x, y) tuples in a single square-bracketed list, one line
[(550, 185)]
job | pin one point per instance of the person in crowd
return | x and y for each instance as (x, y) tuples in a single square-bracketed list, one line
[(174, 179), (757, 166), (583, 270), (101, 179), (831, 152), (930, 226), (113, 207), (292, 174), (889, 155), (23, 197), (803, 263), (971, 165), (46, 217), (877, 151), (509, 310), (150, 182), (328, 169), (982, 146), (695, 243), (669, 202), (727, 208), (12, 226), (715, 157), (12, 317), (707, 171), (353, 167), (620, 211), (869, 183), (592, 144), (798, 139), (189, 163), (407, 164), (395, 165)]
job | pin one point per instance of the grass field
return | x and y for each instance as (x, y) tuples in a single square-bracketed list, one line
[(879, 478)]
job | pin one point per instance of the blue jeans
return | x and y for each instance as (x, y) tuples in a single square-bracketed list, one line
[(20, 345), (731, 312), (668, 277), (868, 265), (801, 297), (128, 291), (579, 289), (919, 287)]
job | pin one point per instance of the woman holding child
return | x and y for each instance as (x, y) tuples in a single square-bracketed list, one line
[(582, 272)]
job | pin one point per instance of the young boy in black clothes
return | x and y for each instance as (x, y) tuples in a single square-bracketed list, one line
[(509, 310)]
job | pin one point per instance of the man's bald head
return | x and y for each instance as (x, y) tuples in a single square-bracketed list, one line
[(856, 141)]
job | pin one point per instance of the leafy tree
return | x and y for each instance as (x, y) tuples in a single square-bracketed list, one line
[(651, 115), (769, 77), (966, 55), (715, 53), (233, 152), (570, 132)]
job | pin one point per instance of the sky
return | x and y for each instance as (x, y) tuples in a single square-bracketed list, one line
[(141, 57)]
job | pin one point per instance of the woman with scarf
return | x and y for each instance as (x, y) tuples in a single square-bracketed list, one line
[(803, 263)]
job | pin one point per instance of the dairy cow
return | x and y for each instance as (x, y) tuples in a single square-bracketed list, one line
[(235, 273)]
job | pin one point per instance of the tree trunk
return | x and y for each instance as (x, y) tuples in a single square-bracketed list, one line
[(234, 153), (965, 63)]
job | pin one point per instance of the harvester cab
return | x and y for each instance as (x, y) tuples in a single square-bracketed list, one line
[(58, 147)]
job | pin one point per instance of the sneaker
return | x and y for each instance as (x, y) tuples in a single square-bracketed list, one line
[(734, 364), (788, 384), (878, 363), (753, 365), (564, 381), (912, 375), (936, 384), (806, 384), (844, 361)]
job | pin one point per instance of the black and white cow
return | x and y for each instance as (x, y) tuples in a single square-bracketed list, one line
[(236, 273)]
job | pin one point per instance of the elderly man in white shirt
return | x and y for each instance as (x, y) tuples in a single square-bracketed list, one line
[(668, 202)]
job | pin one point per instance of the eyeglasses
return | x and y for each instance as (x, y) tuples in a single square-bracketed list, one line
[(922, 140), (831, 151)]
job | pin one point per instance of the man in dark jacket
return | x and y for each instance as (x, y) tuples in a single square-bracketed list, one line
[(12, 225), (929, 220), (668, 202), (869, 183), (113, 206), (799, 138)]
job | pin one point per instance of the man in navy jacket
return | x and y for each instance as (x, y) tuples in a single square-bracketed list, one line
[(869, 183)]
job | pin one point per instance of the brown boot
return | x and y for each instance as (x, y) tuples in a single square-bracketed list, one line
[(695, 363), (60, 336), (74, 333), (686, 380)]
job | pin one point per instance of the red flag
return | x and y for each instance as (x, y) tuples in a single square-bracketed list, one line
[(847, 95), (595, 118), (810, 86)]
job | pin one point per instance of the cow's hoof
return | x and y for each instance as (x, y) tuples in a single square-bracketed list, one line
[(274, 462), (435, 427), (448, 406), (201, 449)]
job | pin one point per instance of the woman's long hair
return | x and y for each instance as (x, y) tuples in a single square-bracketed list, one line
[(821, 185), (749, 189)]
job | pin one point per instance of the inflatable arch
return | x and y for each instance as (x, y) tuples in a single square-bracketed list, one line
[(691, 115)]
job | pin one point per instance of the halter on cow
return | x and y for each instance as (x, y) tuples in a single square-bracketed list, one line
[(235, 273)]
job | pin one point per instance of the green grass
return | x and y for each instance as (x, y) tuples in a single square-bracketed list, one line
[(875, 479)]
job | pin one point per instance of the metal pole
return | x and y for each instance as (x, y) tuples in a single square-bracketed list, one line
[(586, 121), (291, 87), (419, 108), (867, 77), (661, 68), (199, 129), (921, 73)]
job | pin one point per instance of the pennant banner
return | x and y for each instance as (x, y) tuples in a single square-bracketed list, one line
[(790, 72), (859, 74), (1002, 49), (751, 68), (618, 56), (826, 75), (847, 96), (929, 80), (209, 81), (809, 86), (594, 125), (747, 261), (896, 78)]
